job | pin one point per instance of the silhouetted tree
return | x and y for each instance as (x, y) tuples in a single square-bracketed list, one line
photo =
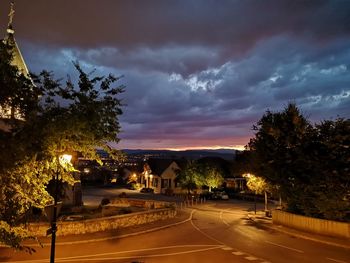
[(308, 164)]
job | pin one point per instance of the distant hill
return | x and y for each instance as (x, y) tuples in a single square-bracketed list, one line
[(226, 154)]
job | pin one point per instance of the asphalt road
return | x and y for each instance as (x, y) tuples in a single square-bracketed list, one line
[(217, 232)]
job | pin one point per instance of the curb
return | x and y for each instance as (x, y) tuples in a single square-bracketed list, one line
[(301, 235), (114, 237)]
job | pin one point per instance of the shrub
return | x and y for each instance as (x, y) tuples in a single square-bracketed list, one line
[(105, 201), (122, 195)]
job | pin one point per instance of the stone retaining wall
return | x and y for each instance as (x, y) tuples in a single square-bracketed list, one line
[(103, 224), (314, 225), (148, 204)]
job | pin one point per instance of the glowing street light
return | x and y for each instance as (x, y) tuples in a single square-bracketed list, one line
[(65, 159)]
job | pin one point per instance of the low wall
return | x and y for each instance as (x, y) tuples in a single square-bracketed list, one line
[(314, 225), (148, 204), (103, 224)]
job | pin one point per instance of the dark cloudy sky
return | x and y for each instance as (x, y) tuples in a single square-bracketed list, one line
[(198, 73)]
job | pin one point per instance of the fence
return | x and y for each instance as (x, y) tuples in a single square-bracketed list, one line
[(314, 225)]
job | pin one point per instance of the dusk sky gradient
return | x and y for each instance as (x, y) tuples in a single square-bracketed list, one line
[(197, 73)]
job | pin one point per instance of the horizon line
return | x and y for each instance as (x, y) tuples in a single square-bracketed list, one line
[(236, 147)]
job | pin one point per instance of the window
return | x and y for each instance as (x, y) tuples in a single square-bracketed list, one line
[(166, 183)]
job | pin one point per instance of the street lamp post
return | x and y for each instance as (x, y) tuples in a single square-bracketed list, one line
[(53, 224), (255, 202), (64, 159)]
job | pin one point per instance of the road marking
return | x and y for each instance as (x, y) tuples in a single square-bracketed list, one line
[(212, 238), (95, 257), (238, 253), (336, 260), (251, 258), (293, 249), (226, 248), (223, 220)]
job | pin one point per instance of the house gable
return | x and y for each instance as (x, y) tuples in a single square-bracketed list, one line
[(170, 172)]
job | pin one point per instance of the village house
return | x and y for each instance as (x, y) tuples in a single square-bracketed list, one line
[(158, 174)]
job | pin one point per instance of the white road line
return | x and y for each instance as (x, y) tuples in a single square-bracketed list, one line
[(226, 248), (139, 256), (293, 249), (212, 238), (238, 253), (96, 256), (251, 258), (223, 220), (336, 260)]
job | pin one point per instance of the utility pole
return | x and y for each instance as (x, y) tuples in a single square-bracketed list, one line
[(255, 203)]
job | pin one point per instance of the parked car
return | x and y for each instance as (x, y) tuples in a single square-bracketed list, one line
[(215, 195), (220, 195), (147, 190), (207, 195)]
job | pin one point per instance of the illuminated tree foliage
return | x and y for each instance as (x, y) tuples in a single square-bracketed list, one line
[(256, 184), (197, 174), (189, 178), (309, 164), (212, 177), (56, 118)]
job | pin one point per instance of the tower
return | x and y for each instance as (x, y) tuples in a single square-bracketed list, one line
[(17, 59), (10, 112)]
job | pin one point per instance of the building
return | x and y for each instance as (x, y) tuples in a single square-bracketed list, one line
[(160, 174), (236, 183), (10, 40), (18, 61)]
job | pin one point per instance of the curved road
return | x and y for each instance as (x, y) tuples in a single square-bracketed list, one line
[(217, 232)]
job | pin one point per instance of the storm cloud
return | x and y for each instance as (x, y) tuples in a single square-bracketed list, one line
[(197, 73)]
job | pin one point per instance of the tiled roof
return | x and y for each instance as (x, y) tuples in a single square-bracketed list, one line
[(158, 166), (17, 59)]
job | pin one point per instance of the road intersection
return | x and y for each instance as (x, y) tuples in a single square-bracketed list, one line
[(211, 232)]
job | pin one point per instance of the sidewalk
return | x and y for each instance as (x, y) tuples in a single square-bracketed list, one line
[(183, 215), (264, 221)]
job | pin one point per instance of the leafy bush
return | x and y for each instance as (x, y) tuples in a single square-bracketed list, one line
[(105, 201), (122, 195)]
